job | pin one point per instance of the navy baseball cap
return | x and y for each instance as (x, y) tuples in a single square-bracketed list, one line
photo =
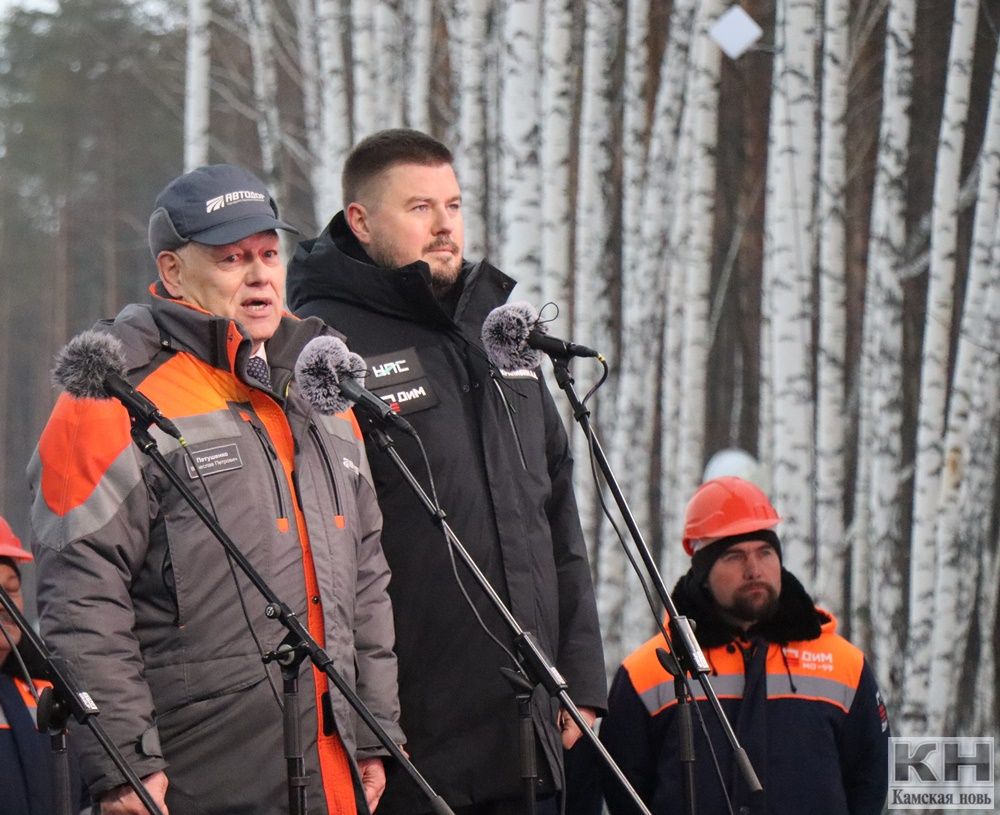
[(215, 205)]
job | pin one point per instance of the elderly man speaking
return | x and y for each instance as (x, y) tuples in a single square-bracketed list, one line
[(136, 593)]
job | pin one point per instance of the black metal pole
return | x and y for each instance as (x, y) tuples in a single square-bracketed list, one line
[(534, 661), (298, 634), (525, 737), (61, 793), (289, 659), (685, 753), (682, 641)]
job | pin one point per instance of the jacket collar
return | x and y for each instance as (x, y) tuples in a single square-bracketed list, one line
[(335, 266), (797, 618), (220, 341)]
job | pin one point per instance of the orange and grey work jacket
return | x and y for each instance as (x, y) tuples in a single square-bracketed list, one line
[(808, 713), (138, 595)]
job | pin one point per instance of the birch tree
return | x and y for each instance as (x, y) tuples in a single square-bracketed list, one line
[(389, 78), (623, 598), (666, 318), (649, 194), (985, 261), (333, 130), (597, 208), (256, 16), (959, 591), (968, 454), (984, 702), (197, 78), (934, 365), (520, 237), (674, 257), (594, 305), (364, 66), (468, 33), (880, 465), (674, 561), (831, 407), (419, 16), (306, 22), (684, 185), (702, 117), (556, 100), (788, 294)]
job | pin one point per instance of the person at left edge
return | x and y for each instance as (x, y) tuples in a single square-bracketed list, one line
[(26, 766), (134, 590)]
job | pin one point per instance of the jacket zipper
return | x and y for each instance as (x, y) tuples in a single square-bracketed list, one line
[(327, 465), (272, 455), (510, 418), (170, 584)]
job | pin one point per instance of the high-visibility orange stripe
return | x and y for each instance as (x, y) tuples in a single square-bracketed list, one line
[(186, 386), (829, 657), (25, 691), (644, 669), (349, 414), (335, 769), (99, 426)]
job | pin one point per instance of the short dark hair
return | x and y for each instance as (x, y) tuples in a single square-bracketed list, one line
[(387, 148)]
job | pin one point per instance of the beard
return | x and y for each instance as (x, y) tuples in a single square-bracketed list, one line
[(753, 606), (444, 271)]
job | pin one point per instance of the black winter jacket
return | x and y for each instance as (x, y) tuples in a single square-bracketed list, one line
[(501, 464)]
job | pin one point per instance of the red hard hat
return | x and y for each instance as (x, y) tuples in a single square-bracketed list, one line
[(726, 506), (10, 544)]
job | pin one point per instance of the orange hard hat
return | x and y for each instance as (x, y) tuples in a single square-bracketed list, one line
[(10, 544), (724, 507)]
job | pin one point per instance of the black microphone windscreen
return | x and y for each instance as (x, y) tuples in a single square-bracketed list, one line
[(319, 369), (505, 337), (85, 363)]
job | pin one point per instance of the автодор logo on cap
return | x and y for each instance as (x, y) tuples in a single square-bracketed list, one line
[(217, 203)]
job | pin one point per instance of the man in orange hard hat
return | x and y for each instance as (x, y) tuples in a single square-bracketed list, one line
[(803, 701)]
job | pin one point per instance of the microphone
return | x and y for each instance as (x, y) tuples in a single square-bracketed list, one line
[(92, 366), (514, 339), (332, 378)]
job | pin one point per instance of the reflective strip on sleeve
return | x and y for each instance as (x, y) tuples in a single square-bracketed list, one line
[(662, 695), (813, 688)]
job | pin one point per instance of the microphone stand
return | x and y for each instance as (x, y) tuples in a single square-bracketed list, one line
[(534, 662), (525, 736), (686, 741), (298, 644), (66, 698), (682, 640)]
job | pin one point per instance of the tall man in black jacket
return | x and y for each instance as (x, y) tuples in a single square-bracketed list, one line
[(388, 271)]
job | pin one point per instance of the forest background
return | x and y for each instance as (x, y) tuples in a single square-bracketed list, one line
[(792, 251)]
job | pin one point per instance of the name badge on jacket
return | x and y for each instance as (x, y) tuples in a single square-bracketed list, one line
[(398, 378)]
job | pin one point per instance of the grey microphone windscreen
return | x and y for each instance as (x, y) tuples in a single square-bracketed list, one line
[(505, 337), (85, 363), (319, 370)]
